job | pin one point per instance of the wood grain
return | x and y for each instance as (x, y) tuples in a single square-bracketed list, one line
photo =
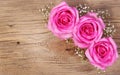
[(28, 48)]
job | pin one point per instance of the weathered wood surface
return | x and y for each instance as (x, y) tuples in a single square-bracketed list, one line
[(28, 48)]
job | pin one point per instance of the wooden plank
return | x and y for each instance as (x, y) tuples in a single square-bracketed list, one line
[(28, 48)]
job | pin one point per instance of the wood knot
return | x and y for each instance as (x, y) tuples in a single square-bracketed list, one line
[(18, 42), (10, 25)]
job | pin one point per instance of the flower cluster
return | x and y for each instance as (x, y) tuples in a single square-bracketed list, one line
[(87, 33)]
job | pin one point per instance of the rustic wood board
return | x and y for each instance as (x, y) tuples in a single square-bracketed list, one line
[(28, 48)]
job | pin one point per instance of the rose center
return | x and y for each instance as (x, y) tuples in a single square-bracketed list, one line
[(64, 18), (101, 50), (87, 29)]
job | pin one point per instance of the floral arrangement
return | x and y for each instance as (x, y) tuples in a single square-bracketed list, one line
[(87, 29)]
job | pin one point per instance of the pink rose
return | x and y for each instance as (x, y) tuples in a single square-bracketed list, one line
[(89, 29), (62, 20), (102, 53)]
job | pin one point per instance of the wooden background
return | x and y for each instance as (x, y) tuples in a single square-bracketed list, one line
[(28, 48)]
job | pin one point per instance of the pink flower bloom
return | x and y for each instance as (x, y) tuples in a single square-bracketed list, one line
[(102, 53), (62, 20), (89, 29)]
